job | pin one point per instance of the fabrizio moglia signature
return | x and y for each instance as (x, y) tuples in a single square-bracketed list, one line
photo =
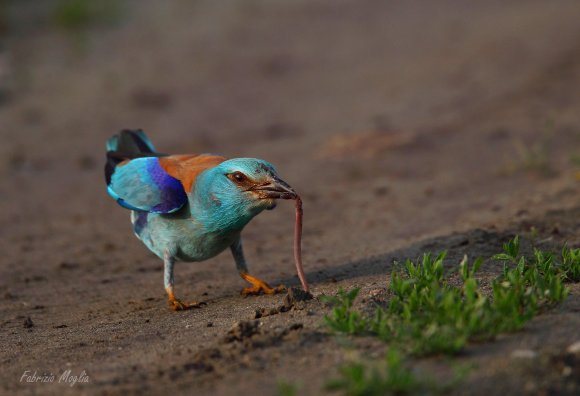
[(67, 377)]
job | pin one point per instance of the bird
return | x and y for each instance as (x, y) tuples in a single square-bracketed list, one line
[(191, 207)]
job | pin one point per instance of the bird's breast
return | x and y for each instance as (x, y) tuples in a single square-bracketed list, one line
[(203, 248)]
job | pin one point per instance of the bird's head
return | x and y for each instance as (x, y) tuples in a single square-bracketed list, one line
[(242, 187), (256, 181)]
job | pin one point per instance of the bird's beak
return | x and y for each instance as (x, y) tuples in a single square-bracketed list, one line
[(274, 189)]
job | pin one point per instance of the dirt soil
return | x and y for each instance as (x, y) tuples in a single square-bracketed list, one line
[(406, 127)]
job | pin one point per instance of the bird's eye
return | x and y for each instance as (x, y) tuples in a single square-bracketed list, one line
[(238, 177)]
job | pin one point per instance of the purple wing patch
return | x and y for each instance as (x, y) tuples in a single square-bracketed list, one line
[(171, 193)]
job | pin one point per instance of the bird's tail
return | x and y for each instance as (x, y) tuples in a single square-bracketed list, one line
[(132, 143), (127, 144)]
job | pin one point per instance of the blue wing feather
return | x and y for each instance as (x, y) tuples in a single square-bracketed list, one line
[(142, 184)]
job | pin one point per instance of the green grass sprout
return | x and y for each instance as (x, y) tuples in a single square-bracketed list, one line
[(343, 318), (393, 377), (429, 315)]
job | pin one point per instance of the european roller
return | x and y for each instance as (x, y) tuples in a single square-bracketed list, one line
[(192, 207)]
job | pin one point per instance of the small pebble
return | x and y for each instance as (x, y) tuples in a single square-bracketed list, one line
[(574, 348), (566, 371)]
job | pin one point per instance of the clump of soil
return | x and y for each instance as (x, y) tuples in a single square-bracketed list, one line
[(295, 299), (28, 323), (242, 330), (296, 296)]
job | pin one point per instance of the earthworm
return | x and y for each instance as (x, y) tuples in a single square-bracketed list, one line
[(298, 242)]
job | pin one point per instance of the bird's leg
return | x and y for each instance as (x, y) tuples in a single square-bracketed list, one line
[(258, 285), (174, 303)]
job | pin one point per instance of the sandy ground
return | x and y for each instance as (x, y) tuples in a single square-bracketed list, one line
[(405, 126)]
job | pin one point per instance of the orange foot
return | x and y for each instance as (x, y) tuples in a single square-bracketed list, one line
[(259, 286), (178, 305)]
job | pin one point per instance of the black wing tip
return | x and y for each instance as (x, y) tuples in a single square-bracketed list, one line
[(126, 144), (130, 141)]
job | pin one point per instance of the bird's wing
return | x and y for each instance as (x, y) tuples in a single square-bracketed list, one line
[(158, 184), (142, 184)]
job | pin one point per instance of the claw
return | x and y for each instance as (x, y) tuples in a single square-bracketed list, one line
[(256, 290), (259, 286), (178, 305)]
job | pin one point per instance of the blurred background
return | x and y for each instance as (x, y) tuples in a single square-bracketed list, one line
[(393, 119), (396, 121)]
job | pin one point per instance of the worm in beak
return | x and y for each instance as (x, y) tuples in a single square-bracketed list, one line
[(279, 189)]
